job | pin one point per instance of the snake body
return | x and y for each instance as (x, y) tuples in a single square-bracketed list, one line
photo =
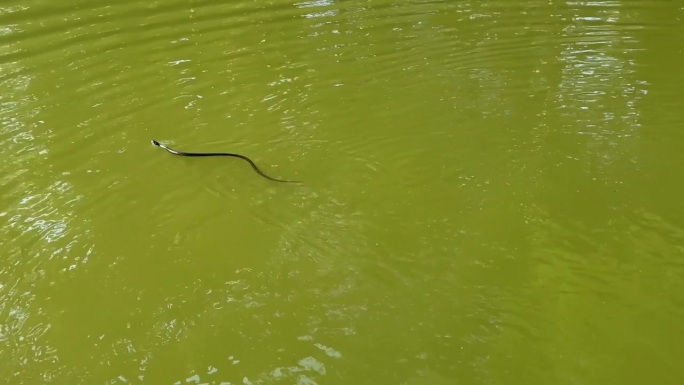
[(251, 163)]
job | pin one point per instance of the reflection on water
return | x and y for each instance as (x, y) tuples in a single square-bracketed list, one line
[(42, 237), (484, 199), (600, 89)]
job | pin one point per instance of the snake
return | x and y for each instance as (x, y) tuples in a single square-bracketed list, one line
[(251, 163)]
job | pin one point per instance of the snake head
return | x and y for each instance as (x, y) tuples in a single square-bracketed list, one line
[(155, 142)]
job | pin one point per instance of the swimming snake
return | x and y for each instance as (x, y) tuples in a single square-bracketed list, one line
[(251, 163)]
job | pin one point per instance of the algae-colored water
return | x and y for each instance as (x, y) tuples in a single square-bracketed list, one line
[(492, 192)]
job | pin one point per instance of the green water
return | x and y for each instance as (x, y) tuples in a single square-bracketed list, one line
[(492, 192)]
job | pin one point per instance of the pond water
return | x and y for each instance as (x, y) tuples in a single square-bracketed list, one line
[(492, 192)]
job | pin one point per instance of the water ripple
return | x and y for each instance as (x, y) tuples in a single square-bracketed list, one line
[(429, 135)]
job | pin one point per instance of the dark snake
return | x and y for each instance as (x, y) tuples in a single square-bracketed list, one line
[(251, 163)]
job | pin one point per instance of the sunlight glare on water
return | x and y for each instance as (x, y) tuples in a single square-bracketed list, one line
[(491, 192)]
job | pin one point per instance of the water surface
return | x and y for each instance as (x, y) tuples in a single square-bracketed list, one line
[(492, 192)]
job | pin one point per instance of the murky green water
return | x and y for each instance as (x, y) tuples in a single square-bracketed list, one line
[(492, 192)]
